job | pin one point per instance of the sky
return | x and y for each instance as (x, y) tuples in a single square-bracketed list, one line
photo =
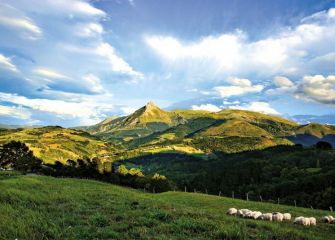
[(76, 62)]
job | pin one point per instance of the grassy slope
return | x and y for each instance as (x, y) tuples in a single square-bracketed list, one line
[(34, 207), (56, 143)]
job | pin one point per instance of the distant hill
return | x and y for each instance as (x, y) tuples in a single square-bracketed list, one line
[(54, 143)]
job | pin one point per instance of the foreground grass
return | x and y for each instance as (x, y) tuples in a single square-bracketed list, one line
[(35, 207)]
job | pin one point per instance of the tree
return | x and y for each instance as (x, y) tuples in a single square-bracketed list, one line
[(122, 170), (157, 176), (16, 155), (323, 145), (136, 172)]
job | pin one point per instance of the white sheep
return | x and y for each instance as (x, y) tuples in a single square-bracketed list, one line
[(325, 219), (287, 216), (239, 213), (232, 211), (266, 216), (312, 221), (328, 219), (256, 215), (277, 217), (305, 221)]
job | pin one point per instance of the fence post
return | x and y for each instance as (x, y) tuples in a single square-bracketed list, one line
[(295, 203), (331, 208), (260, 197), (174, 189), (185, 188), (247, 196), (278, 201), (195, 190), (144, 190), (206, 191), (232, 194), (220, 194)]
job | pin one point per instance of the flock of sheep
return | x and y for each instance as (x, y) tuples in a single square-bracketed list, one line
[(277, 217)]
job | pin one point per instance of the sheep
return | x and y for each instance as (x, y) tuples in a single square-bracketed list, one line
[(232, 211), (287, 216), (326, 219), (312, 221), (256, 215), (305, 221), (266, 216), (299, 220), (239, 213), (277, 217)]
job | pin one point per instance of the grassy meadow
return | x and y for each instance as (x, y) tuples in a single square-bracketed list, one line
[(38, 207)]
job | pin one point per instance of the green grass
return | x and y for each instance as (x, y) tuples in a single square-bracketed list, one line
[(36, 207)]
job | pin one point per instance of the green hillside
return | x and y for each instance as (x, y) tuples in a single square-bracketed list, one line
[(36, 207), (316, 129), (58, 144)]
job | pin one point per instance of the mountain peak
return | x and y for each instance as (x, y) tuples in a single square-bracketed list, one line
[(150, 104)]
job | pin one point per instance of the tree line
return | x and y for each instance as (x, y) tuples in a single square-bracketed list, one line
[(16, 155)]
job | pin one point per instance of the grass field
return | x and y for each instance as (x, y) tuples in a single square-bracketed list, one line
[(36, 207)]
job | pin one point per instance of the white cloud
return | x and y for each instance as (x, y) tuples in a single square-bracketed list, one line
[(207, 107), (262, 107), (283, 85), (90, 30), (6, 63), (239, 87), (25, 24), (214, 57), (94, 83), (128, 110), (49, 73), (317, 88), (116, 62), (84, 108), (14, 111)]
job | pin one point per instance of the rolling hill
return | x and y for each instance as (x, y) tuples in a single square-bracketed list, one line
[(38, 207), (55, 143)]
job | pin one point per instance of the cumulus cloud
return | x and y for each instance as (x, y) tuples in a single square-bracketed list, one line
[(6, 63), (262, 107), (282, 85), (15, 111), (317, 88), (207, 107), (238, 87), (214, 56)]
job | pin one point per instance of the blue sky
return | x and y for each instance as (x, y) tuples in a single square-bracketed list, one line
[(76, 62)]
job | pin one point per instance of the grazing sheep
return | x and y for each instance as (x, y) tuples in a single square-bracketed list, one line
[(239, 213), (256, 215), (232, 211), (326, 219), (266, 216), (299, 220), (277, 217), (287, 216), (306, 221), (312, 221)]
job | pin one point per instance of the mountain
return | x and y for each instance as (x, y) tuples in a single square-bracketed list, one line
[(323, 119), (54, 143), (143, 122), (151, 126)]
